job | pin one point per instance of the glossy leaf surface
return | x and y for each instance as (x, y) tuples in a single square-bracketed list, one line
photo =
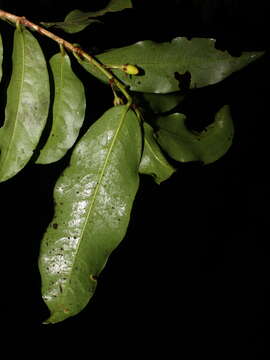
[(162, 64), (153, 161), (207, 146), (78, 20), (93, 201), (68, 110), (27, 105)]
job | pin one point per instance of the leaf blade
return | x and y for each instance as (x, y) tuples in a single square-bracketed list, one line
[(68, 110), (153, 161), (97, 192), (184, 146), (78, 20), (27, 104), (74, 22), (162, 64)]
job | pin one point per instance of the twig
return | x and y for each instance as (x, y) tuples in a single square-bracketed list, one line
[(76, 50)]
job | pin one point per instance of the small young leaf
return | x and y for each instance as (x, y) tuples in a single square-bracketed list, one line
[(183, 145), (1, 57), (74, 22), (27, 104), (153, 162), (68, 110), (93, 201), (165, 67), (78, 20)]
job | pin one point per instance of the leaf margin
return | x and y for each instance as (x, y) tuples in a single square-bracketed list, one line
[(63, 83), (153, 162), (162, 80), (77, 20), (188, 146)]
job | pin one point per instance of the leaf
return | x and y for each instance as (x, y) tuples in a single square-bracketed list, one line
[(78, 20), (1, 57), (68, 110), (117, 5), (161, 103), (153, 161), (74, 22), (93, 201), (162, 65), (183, 145), (27, 105)]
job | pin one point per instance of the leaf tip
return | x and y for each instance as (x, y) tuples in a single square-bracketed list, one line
[(57, 316)]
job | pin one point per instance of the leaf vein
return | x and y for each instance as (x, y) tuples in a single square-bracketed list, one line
[(99, 180)]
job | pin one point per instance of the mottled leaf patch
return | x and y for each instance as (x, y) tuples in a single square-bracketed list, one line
[(27, 104), (96, 192)]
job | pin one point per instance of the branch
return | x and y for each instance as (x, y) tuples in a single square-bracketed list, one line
[(76, 50)]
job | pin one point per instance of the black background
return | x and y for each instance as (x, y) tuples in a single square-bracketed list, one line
[(192, 273)]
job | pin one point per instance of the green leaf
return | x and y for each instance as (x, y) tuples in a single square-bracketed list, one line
[(68, 110), (153, 161), (27, 105), (162, 64), (116, 5), (93, 201), (74, 22), (1, 57), (184, 145), (78, 20), (161, 103)]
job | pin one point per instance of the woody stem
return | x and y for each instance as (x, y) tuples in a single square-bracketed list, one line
[(67, 45)]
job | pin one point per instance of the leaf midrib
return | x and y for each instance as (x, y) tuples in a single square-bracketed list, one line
[(100, 176)]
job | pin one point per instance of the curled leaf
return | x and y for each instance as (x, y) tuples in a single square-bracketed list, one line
[(68, 110), (172, 66), (27, 104), (93, 201), (183, 145), (153, 161)]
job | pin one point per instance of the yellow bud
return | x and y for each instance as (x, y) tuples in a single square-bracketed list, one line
[(130, 69), (117, 101)]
